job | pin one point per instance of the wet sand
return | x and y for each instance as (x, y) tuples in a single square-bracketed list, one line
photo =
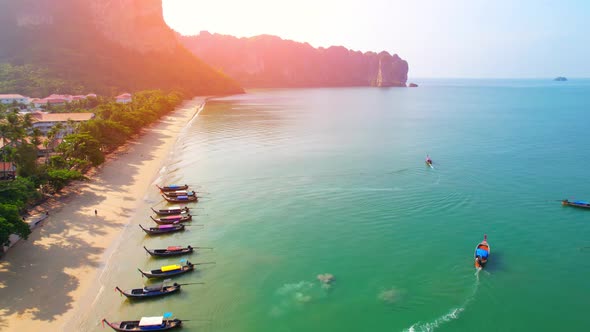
[(46, 279)]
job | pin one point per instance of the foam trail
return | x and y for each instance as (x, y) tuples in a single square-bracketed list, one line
[(449, 316)]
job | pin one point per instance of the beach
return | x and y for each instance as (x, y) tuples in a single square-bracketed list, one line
[(48, 279)]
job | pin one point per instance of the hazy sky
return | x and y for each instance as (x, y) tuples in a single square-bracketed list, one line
[(439, 38)]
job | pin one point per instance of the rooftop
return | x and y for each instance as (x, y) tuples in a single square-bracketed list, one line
[(61, 117), (12, 96)]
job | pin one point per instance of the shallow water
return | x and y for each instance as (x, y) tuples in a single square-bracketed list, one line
[(299, 182)]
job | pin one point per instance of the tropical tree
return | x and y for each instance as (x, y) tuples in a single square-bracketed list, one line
[(80, 148), (11, 223)]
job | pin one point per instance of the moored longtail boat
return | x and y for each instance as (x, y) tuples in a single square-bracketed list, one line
[(180, 193), (170, 251), (171, 211), (172, 219), (180, 199), (163, 229), (145, 324), (151, 291), (580, 204), (168, 271), (482, 253), (173, 187)]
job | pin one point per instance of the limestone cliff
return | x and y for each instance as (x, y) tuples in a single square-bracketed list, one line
[(269, 61), (107, 46)]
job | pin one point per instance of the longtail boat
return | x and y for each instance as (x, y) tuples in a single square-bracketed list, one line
[(580, 204), (482, 253), (170, 211), (180, 199), (173, 187), (180, 193), (149, 292), (145, 324), (168, 271), (168, 220), (163, 229), (170, 251), (428, 161)]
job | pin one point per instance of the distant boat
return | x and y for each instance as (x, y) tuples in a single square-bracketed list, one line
[(170, 251), (173, 187), (560, 79), (149, 292), (169, 220), (145, 324), (180, 193), (580, 204), (163, 229), (168, 271), (482, 253), (428, 161), (170, 211), (180, 199)]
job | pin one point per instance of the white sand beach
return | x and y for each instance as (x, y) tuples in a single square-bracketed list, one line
[(47, 278)]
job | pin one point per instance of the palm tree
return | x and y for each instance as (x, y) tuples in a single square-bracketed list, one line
[(52, 136)]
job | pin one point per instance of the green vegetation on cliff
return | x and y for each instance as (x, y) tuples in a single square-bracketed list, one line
[(62, 47)]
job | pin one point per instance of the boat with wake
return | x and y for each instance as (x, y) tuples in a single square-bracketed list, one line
[(482, 253)]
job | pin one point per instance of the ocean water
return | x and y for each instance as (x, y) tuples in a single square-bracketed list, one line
[(301, 182)]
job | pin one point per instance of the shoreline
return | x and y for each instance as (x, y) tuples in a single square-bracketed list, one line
[(46, 279)]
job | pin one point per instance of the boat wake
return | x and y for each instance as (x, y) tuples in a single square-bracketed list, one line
[(451, 315)]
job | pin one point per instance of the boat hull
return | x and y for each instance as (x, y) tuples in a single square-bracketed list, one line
[(133, 325), (142, 294), (161, 231), (176, 200), (575, 204), (157, 274), (165, 221), (175, 188), (171, 212), (169, 253)]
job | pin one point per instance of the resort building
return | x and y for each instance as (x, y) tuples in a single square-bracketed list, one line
[(45, 121), (59, 100), (11, 98), (124, 98)]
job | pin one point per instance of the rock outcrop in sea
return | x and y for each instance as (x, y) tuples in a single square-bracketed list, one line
[(269, 61)]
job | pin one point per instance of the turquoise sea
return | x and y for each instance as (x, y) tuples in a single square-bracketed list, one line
[(300, 182)]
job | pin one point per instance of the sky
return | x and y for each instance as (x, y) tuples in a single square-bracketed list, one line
[(438, 38)]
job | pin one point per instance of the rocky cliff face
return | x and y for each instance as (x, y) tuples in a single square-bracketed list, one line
[(269, 61), (107, 46), (137, 24)]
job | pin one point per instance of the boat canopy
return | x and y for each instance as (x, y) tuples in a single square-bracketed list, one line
[(165, 226), (174, 248), (171, 268), (482, 253), (581, 202), (151, 321), (172, 217), (155, 287)]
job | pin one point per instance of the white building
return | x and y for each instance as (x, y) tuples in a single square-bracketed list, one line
[(45, 121), (9, 99), (124, 98)]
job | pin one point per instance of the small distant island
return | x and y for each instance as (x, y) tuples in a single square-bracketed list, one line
[(560, 79)]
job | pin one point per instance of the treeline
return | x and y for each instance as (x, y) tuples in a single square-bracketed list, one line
[(112, 126), (33, 81)]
